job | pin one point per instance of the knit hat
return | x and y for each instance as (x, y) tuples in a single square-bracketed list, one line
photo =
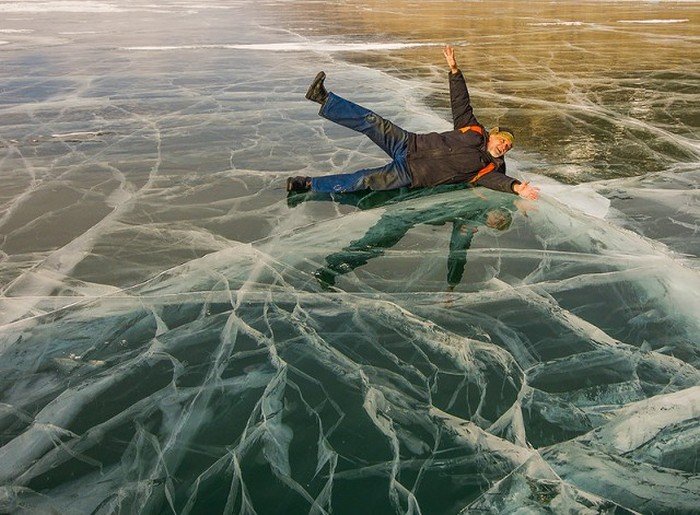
[(503, 132)]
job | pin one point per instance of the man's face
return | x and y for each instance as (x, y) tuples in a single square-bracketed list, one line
[(498, 145)]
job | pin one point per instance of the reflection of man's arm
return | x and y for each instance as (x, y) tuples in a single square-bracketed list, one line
[(461, 240), (386, 233)]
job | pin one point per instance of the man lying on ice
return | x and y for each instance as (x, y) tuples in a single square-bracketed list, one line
[(469, 153)]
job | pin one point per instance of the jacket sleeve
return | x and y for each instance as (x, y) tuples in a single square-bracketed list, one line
[(498, 180), (462, 112)]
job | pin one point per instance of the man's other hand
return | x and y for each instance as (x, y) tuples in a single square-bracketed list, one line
[(526, 191), (449, 54)]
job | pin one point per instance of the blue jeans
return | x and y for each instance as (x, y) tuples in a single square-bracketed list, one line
[(389, 137)]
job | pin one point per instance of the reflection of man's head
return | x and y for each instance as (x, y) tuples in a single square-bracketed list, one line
[(499, 219)]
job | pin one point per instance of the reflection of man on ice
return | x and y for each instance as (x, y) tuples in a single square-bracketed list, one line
[(467, 213), (469, 153)]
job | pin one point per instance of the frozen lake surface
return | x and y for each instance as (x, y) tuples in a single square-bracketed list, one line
[(176, 335)]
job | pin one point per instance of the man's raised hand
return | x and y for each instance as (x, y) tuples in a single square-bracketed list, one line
[(449, 54)]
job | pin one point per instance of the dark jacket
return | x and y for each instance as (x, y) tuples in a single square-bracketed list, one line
[(454, 156)]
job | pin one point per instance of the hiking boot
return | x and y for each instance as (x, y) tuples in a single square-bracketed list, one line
[(298, 183), (317, 92)]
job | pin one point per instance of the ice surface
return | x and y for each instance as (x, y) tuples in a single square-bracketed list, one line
[(178, 335), (58, 6), (320, 46)]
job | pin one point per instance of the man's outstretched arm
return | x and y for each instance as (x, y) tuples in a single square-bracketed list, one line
[(462, 112), (501, 182)]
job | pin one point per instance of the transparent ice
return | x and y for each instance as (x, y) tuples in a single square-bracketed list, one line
[(176, 335)]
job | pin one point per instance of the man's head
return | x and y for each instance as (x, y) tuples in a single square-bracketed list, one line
[(499, 219), (500, 141)]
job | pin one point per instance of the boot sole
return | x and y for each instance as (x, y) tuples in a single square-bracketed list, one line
[(320, 76)]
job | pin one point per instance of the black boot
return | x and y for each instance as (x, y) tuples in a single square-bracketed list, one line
[(316, 92), (298, 183)]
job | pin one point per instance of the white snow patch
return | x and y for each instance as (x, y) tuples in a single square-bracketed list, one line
[(290, 47), (70, 6), (684, 20), (557, 23)]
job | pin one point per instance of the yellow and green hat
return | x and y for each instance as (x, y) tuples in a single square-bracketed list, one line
[(503, 132)]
